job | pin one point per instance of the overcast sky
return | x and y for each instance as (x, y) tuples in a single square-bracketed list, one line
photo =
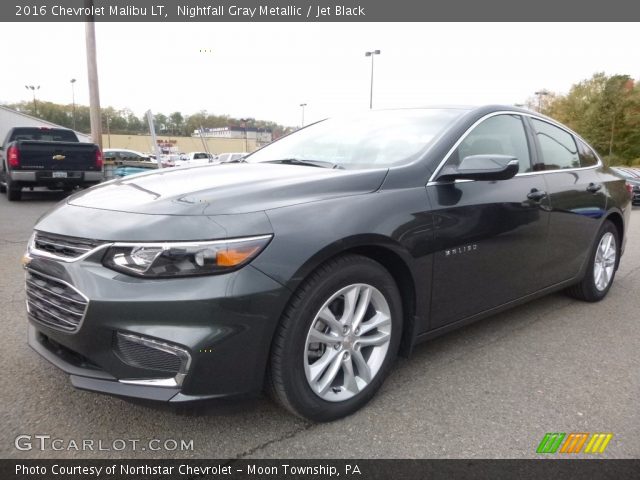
[(265, 70)]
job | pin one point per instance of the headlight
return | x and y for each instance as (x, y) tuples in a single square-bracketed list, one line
[(183, 259)]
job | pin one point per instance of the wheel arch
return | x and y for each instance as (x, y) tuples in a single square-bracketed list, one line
[(388, 253), (616, 217)]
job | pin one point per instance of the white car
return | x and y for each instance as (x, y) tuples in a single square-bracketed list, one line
[(231, 156), (196, 158)]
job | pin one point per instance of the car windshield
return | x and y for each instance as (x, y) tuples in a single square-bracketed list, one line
[(373, 140)]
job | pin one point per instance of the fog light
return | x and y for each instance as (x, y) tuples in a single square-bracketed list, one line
[(145, 352)]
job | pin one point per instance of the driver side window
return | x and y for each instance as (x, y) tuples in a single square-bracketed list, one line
[(498, 135)]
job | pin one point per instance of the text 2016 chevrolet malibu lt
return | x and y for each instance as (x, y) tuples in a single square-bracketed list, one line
[(310, 265)]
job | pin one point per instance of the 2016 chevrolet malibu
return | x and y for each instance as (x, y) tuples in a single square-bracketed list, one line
[(309, 266)]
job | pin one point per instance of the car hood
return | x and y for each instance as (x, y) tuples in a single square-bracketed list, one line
[(226, 189)]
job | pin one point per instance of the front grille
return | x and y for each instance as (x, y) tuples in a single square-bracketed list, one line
[(144, 356), (54, 303), (62, 246)]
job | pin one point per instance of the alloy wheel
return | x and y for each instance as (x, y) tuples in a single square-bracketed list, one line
[(347, 342), (605, 261)]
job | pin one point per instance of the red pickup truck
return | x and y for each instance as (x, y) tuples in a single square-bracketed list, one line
[(47, 157)]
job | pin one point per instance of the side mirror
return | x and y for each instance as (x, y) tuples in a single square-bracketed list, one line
[(482, 167)]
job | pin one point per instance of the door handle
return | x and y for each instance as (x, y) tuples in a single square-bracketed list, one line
[(593, 188), (536, 195)]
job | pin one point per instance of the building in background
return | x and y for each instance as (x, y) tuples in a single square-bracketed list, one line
[(259, 135)]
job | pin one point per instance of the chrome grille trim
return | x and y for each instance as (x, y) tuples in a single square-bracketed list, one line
[(62, 310), (33, 284), (61, 248), (54, 304)]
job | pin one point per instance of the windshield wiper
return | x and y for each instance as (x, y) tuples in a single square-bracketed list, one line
[(308, 163)]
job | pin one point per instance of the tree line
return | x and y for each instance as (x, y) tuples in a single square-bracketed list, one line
[(604, 110), (124, 121)]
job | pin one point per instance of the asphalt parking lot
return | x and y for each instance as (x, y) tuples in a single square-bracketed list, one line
[(491, 390)]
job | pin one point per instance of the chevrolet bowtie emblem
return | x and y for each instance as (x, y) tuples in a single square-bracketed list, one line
[(59, 157)]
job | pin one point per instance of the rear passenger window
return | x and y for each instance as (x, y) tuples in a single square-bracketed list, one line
[(559, 149), (587, 156), (498, 135)]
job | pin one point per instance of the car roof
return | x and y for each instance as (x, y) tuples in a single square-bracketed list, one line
[(634, 172), (120, 150)]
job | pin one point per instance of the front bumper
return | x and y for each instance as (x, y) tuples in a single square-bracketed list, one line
[(224, 322)]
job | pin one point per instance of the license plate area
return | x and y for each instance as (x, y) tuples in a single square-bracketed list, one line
[(59, 174)]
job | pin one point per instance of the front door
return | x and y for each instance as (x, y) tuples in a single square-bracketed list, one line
[(490, 236)]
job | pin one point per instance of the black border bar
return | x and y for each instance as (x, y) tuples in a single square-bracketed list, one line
[(320, 10), (190, 469)]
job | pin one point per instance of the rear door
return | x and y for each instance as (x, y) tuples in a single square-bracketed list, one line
[(490, 235), (577, 197)]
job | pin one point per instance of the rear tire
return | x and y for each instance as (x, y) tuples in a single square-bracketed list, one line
[(329, 359), (601, 270), (14, 192)]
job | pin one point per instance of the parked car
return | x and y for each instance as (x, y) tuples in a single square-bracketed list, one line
[(632, 177), (47, 157), (196, 158), (231, 157), (169, 160), (311, 264), (124, 154), (125, 171)]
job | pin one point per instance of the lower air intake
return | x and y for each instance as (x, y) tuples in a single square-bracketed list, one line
[(147, 354)]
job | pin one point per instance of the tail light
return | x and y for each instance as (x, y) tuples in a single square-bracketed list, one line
[(13, 155), (99, 159), (629, 188)]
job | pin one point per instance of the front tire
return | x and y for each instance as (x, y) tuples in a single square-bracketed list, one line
[(601, 270), (337, 339)]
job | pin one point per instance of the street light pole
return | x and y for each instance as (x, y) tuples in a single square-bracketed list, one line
[(371, 54), (540, 94), (109, 130), (303, 105), (244, 124), (33, 90), (73, 99)]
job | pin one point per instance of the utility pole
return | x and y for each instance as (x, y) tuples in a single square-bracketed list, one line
[(92, 70)]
